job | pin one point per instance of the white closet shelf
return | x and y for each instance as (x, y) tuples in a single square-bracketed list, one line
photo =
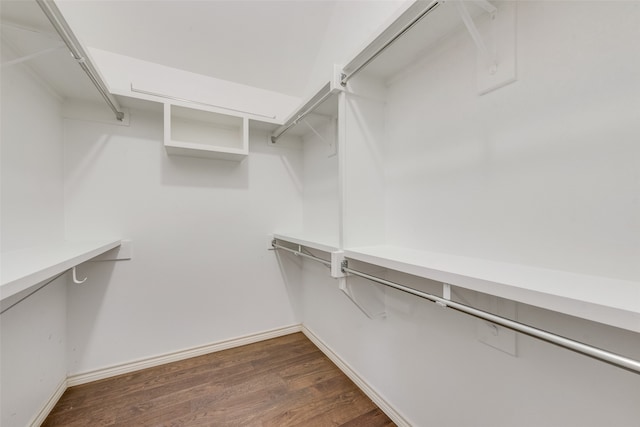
[(324, 244), (202, 133), (24, 268), (323, 103), (601, 299), (191, 149)]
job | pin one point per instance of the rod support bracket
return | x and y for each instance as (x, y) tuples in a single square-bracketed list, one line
[(337, 262), (343, 79), (446, 294)]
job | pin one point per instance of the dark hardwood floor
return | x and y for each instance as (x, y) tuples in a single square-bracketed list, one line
[(285, 381)]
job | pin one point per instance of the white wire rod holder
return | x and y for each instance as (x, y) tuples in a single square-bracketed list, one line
[(64, 31), (190, 101), (307, 110), (300, 253), (383, 41), (594, 352)]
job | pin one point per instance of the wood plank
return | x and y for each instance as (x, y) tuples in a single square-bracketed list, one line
[(285, 381)]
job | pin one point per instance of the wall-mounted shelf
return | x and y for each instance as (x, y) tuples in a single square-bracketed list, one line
[(24, 268), (323, 103), (600, 299), (423, 26), (200, 133), (321, 244), (324, 244)]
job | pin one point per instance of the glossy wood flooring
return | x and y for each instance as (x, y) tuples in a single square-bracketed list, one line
[(284, 381)]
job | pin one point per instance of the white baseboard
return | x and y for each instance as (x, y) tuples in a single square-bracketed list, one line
[(44, 412), (353, 376), (150, 362)]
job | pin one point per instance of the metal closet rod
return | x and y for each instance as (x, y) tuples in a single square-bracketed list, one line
[(309, 109), (64, 31), (382, 42), (300, 253), (588, 350)]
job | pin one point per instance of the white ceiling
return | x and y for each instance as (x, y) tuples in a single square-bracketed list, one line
[(287, 46), (270, 44)]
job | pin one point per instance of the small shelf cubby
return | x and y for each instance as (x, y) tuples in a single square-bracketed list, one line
[(201, 133)]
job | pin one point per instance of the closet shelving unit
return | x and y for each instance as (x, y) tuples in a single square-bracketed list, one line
[(313, 112), (317, 243), (201, 133), (371, 226), (25, 268), (602, 299), (47, 56), (315, 124)]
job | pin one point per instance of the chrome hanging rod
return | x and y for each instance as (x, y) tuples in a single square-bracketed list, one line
[(275, 245), (415, 13), (594, 352), (321, 96), (64, 31)]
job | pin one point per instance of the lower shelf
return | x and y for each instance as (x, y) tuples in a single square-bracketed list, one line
[(24, 268), (324, 244), (600, 299), (200, 150)]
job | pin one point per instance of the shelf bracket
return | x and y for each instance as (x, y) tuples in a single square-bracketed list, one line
[(495, 41), (322, 138), (369, 300), (489, 55)]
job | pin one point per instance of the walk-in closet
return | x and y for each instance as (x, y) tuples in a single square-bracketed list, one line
[(324, 212)]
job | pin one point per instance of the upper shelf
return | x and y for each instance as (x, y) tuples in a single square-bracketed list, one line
[(601, 299), (24, 268), (322, 103), (32, 42), (422, 26)]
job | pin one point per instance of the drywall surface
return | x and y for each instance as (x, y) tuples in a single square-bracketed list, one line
[(200, 271), (33, 363), (544, 171), (321, 209), (33, 333), (32, 204)]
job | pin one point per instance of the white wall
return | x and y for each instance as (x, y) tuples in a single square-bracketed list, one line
[(321, 209), (201, 271), (543, 172), (32, 204), (33, 333)]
